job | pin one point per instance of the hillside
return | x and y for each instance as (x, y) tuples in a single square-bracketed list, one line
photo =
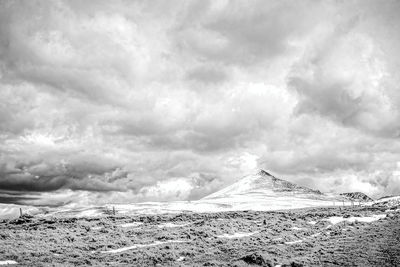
[(388, 202), (358, 196)]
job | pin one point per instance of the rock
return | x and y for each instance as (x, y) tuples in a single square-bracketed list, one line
[(293, 264), (256, 259)]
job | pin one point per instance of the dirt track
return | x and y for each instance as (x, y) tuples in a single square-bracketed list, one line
[(265, 238)]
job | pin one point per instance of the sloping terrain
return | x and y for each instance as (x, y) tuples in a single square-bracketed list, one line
[(263, 191), (357, 196), (388, 202)]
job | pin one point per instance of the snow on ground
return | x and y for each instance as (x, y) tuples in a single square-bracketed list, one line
[(133, 224), (78, 212), (255, 202), (172, 225), (12, 211), (315, 235), (388, 201), (335, 219), (8, 262), (258, 201), (312, 222), (297, 228), (236, 235), (293, 242), (156, 243)]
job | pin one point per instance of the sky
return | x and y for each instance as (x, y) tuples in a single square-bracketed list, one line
[(127, 101)]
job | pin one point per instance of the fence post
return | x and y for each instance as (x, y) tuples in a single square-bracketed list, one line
[(20, 212), (114, 210)]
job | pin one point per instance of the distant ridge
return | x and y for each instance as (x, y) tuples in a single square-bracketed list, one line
[(387, 197), (388, 202), (359, 196)]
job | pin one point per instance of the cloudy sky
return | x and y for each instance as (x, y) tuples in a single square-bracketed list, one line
[(119, 101)]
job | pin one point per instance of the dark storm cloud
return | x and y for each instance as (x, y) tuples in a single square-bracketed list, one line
[(160, 101), (44, 175)]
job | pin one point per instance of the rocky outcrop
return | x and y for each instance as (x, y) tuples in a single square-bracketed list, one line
[(358, 196), (257, 259)]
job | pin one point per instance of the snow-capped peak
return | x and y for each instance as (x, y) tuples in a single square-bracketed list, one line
[(262, 182)]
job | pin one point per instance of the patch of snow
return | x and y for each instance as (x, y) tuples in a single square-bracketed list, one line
[(180, 259), (8, 262), (312, 222), (142, 246), (297, 228), (315, 235), (335, 219), (388, 201), (12, 211), (171, 225), (96, 228), (369, 219), (385, 199), (293, 242), (236, 235), (133, 224)]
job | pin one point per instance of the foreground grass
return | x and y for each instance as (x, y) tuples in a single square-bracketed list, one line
[(294, 238)]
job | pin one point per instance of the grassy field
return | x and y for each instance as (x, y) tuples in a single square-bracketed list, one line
[(360, 236)]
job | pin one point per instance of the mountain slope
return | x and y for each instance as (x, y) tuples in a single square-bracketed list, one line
[(263, 191), (263, 183), (356, 196)]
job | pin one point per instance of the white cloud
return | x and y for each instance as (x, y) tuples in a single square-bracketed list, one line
[(131, 96)]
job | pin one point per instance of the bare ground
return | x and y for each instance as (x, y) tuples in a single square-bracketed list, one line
[(287, 238)]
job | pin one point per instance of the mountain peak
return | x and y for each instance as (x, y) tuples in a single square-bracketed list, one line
[(263, 173), (265, 183)]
